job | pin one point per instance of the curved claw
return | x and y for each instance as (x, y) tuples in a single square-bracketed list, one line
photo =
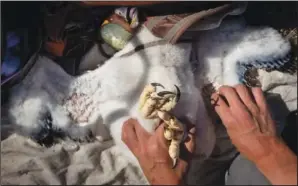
[(157, 85), (174, 163), (161, 94), (178, 93)]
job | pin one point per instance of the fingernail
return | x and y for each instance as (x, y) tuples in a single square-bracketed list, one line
[(192, 130)]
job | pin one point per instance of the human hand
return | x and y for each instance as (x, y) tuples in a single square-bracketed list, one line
[(151, 150), (247, 119)]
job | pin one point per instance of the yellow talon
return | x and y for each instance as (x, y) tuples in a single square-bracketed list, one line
[(157, 106)]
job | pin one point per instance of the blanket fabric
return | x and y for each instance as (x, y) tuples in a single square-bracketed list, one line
[(100, 100)]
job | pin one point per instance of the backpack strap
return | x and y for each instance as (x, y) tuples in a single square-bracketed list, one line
[(178, 29), (171, 27)]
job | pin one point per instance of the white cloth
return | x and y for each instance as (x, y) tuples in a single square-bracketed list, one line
[(24, 162)]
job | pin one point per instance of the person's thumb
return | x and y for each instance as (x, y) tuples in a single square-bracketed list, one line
[(190, 133), (190, 139)]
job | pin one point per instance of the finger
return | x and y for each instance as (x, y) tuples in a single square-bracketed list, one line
[(220, 105), (186, 152), (247, 99), (185, 121), (188, 147), (190, 143), (232, 97), (181, 168), (265, 120), (141, 133), (260, 99), (129, 136)]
